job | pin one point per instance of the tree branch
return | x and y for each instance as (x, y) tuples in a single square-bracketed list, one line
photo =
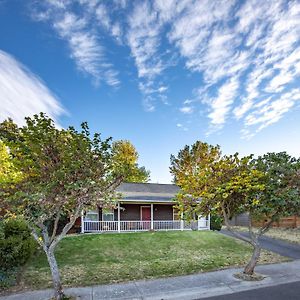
[(265, 228), (35, 235), (66, 228), (236, 234), (55, 225)]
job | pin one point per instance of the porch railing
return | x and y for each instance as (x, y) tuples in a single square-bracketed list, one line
[(132, 226)]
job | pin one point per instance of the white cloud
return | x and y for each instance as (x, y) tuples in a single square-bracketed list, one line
[(271, 112), (221, 106), (252, 46), (186, 109), (23, 94), (143, 39), (181, 126), (82, 38)]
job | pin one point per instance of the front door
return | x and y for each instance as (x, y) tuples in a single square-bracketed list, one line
[(145, 213)]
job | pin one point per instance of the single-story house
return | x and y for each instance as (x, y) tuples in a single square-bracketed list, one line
[(143, 207)]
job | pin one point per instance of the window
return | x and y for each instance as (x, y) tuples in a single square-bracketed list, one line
[(107, 215), (92, 215)]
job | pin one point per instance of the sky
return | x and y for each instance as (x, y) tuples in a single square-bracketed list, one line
[(160, 73)]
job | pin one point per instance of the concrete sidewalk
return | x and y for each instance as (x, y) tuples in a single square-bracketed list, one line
[(184, 287)]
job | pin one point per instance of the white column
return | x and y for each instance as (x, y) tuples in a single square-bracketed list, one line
[(181, 222), (151, 216), (119, 214), (82, 222), (208, 222)]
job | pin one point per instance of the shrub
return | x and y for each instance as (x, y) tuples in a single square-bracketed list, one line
[(16, 247), (216, 222)]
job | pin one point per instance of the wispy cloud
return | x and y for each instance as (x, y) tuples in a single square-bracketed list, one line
[(80, 34), (253, 48), (143, 38), (23, 94), (221, 106), (181, 126), (247, 53), (186, 109), (272, 111)]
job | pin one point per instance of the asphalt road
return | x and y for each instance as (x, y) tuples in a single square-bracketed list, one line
[(288, 291), (283, 248)]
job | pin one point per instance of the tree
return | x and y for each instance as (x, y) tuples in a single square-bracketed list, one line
[(125, 159), (229, 185), (65, 171), (8, 172), (9, 175)]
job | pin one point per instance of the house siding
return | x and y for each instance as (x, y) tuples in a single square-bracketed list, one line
[(162, 212), (131, 212)]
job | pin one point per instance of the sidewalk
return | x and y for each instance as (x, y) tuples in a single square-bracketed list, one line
[(183, 287)]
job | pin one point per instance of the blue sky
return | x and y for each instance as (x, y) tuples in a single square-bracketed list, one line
[(160, 73)]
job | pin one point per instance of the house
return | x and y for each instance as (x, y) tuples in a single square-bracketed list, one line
[(143, 207)]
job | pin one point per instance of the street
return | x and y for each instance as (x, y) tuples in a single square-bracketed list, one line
[(288, 291)]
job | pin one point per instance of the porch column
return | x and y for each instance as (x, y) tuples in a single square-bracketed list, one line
[(151, 216), (119, 223), (208, 222), (82, 222), (181, 222)]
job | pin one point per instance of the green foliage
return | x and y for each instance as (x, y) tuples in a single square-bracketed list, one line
[(8, 172), (221, 182), (281, 196), (16, 244), (265, 187), (65, 171), (125, 159), (216, 222), (16, 247)]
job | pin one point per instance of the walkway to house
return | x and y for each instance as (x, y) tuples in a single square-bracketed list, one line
[(196, 286), (281, 247)]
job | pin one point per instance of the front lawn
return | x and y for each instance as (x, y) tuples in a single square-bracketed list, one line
[(108, 258)]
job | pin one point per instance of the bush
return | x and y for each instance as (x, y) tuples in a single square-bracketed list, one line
[(216, 222), (16, 247)]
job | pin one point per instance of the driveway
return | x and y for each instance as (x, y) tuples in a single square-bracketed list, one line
[(283, 248)]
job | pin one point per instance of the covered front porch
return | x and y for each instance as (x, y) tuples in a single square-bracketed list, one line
[(134, 217)]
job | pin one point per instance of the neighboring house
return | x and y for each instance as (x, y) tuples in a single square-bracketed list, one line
[(143, 207)]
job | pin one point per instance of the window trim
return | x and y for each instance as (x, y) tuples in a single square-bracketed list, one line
[(112, 212), (91, 212)]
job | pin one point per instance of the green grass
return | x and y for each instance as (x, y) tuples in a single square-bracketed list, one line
[(108, 258)]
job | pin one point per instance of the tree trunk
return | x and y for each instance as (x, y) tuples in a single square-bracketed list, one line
[(59, 294), (249, 269)]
